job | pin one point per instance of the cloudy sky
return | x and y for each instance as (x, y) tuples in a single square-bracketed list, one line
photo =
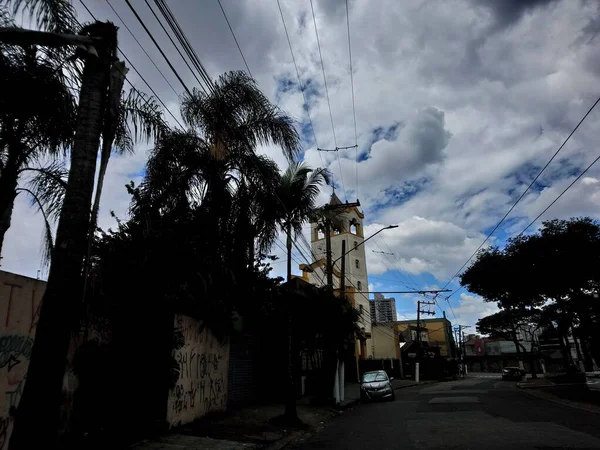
[(459, 103)]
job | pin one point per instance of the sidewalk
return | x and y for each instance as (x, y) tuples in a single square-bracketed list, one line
[(251, 427)]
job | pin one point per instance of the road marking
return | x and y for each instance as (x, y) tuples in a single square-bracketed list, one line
[(454, 400), (457, 391)]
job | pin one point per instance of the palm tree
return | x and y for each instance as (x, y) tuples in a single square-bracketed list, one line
[(35, 125), (215, 161), (37, 417), (298, 191)]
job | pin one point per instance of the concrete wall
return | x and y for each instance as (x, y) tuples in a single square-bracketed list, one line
[(203, 364), (437, 333), (20, 300), (384, 341)]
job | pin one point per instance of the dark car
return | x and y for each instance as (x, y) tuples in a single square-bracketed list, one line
[(376, 385), (512, 373)]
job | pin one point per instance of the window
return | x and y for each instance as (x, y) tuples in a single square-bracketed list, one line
[(357, 263), (360, 308), (359, 287), (354, 245)]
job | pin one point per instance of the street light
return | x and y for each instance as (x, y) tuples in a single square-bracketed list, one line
[(389, 227)]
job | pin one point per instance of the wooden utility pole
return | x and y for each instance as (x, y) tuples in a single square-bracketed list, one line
[(37, 418), (328, 253), (419, 352), (343, 277)]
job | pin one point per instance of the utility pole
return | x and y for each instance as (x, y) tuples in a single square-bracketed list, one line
[(461, 345), (419, 312), (343, 277)]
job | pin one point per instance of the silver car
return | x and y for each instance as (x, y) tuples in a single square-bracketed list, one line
[(592, 380), (376, 385)]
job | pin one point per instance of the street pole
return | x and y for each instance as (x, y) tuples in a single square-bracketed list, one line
[(328, 253), (418, 356), (343, 277)]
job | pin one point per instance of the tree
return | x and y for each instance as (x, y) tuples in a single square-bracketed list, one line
[(553, 269), (37, 123), (511, 324), (298, 189)]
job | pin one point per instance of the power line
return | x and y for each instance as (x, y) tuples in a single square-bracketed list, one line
[(184, 41), (157, 46), (174, 45), (312, 127), (142, 47), (560, 195), (327, 95), (323, 70), (234, 38), (138, 73), (352, 85), (524, 192)]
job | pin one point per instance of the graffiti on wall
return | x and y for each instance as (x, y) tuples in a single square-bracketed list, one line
[(20, 301), (203, 364)]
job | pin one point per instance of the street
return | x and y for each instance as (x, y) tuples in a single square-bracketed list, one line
[(475, 413)]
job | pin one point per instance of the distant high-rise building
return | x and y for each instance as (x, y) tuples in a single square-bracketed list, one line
[(383, 309)]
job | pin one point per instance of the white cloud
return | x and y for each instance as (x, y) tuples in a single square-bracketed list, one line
[(422, 245), (458, 105), (470, 309)]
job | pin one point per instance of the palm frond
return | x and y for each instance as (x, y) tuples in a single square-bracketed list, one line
[(140, 119), (300, 185), (58, 16), (237, 114), (48, 185), (47, 238), (6, 18)]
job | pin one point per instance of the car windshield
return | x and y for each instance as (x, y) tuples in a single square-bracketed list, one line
[(369, 377)]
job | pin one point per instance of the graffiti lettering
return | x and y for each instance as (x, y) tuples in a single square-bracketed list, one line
[(201, 386), (12, 346)]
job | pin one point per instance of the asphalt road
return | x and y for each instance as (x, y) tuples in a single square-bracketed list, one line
[(476, 413)]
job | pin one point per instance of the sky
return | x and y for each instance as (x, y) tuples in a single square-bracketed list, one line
[(459, 104)]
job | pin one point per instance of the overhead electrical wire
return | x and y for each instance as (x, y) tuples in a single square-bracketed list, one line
[(327, 95), (352, 86), (560, 195), (138, 73), (184, 41), (523, 194), (199, 65), (141, 46), (312, 127), (158, 46), (175, 45), (234, 38)]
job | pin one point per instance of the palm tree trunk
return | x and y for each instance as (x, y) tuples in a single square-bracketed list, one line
[(6, 209), (37, 418), (8, 191)]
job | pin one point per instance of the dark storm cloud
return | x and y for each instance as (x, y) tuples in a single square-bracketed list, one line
[(508, 12)]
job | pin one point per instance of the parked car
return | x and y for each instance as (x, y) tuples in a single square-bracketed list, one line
[(593, 381), (513, 373), (376, 385)]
